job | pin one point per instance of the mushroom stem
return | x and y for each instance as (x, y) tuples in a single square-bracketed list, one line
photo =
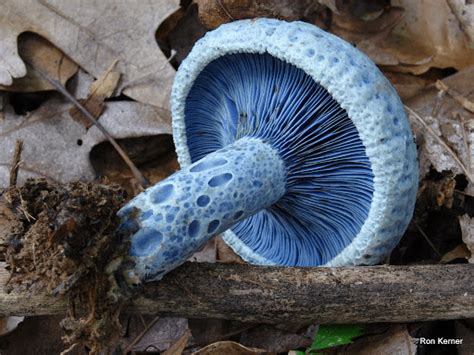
[(175, 218)]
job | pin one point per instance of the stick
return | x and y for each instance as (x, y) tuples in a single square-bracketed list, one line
[(292, 295), (16, 163), (59, 87)]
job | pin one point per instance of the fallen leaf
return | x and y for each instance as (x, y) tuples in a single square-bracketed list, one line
[(186, 31), (225, 254), (467, 104), (214, 13), (209, 330), (407, 85), (9, 324), (355, 24), (443, 128), (40, 53), (443, 43), (465, 331), (464, 12), (396, 340), (93, 34), (467, 230), (101, 89), (229, 348), (57, 147), (390, 35), (178, 347), (207, 254), (165, 333), (3, 100), (459, 252), (275, 340)]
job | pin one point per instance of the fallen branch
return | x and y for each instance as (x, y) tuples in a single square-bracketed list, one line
[(276, 295)]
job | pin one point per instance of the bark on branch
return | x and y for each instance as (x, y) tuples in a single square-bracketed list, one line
[(296, 295)]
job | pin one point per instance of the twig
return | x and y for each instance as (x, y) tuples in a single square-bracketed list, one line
[(68, 350), (463, 193), (467, 104), (138, 175), (428, 240), (16, 163), (466, 141), (440, 141)]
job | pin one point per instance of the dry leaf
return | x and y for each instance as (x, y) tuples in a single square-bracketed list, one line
[(178, 347), (276, 340), (9, 324), (459, 252), (101, 89), (467, 230), (465, 331), (207, 254), (464, 12), (395, 341), (407, 85), (444, 130), (229, 348), (225, 254), (40, 53), (165, 333), (94, 33), (57, 147), (429, 34), (214, 13)]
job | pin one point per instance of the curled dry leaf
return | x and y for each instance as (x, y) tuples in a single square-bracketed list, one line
[(445, 41), (467, 230), (39, 52), (93, 34), (57, 147)]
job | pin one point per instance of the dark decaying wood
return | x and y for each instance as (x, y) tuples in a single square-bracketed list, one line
[(296, 295)]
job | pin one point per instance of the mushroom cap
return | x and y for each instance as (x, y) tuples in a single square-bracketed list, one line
[(350, 215)]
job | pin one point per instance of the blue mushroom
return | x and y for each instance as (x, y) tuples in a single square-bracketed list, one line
[(292, 143)]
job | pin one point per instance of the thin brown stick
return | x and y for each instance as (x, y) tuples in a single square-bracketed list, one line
[(443, 143), (57, 85), (428, 240), (465, 140), (16, 163)]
